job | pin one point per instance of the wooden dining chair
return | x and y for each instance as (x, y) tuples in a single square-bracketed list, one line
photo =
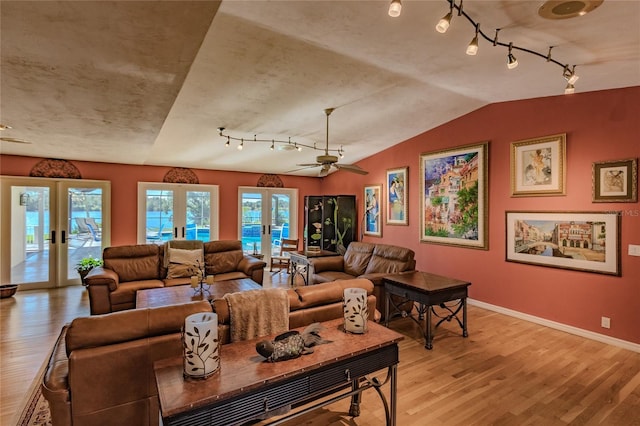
[(282, 261)]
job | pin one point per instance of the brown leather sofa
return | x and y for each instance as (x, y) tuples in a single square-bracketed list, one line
[(364, 260), (308, 304), (128, 269), (101, 368)]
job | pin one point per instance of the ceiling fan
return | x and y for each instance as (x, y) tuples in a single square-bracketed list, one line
[(12, 140), (327, 161)]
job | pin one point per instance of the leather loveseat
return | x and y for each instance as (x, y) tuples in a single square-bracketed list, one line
[(365, 260), (128, 269), (307, 304), (101, 368)]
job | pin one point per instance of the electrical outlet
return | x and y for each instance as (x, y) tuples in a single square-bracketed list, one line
[(634, 250), (605, 322)]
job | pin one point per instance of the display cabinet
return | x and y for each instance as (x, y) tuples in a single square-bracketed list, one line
[(329, 222)]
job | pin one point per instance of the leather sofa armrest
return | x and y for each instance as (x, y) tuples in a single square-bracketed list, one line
[(55, 384), (376, 277), (328, 263), (102, 276), (252, 267)]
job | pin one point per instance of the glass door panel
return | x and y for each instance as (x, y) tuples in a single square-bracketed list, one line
[(85, 231), (251, 222), (198, 226), (158, 217), (30, 250), (266, 216)]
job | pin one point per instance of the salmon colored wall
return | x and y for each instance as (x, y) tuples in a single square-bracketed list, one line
[(600, 126), (124, 191)]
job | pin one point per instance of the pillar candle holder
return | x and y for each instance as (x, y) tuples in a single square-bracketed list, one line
[(356, 312), (200, 346)]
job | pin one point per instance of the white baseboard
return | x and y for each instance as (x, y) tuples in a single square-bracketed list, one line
[(558, 326)]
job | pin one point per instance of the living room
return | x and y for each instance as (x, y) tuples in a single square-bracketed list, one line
[(599, 125)]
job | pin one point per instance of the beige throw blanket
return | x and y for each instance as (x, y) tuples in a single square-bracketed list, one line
[(257, 313)]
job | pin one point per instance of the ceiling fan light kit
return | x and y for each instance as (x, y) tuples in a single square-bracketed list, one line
[(551, 9)]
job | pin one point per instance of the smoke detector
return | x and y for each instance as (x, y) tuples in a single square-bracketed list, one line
[(564, 9)]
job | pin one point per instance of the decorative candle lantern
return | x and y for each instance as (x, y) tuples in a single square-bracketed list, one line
[(356, 312), (200, 345)]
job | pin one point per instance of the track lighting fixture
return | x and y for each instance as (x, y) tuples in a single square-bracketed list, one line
[(472, 49), (512, 62), (444, 23), (283, 145), (395, 8)]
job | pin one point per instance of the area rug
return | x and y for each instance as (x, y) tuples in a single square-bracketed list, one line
[(35, 411)]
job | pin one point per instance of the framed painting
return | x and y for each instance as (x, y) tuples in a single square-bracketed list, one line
[(615, 181), (397, 202), (454, 205), (584, 241), (538, 166), (372, 206)]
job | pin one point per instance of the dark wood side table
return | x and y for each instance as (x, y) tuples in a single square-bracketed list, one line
[(300, 264), (247, 387), (428, 290)]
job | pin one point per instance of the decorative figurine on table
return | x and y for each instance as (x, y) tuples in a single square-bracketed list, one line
[(199, 282), (291, 344)]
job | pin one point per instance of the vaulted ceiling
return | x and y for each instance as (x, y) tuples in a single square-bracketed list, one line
[(150, 82)]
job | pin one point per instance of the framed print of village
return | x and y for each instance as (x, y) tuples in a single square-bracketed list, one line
[(454, 205), (584, 241)]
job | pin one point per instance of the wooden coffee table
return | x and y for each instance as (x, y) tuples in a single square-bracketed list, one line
[(247, 387), (178, 294), (428, 290)]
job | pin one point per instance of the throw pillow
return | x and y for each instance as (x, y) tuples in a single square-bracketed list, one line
[(185, 263)]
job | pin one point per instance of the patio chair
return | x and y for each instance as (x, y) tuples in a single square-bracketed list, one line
[(283, 260)]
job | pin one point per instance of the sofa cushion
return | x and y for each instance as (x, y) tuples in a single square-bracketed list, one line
[(184, 263), (357, 258), (315, 295), (133, 262), (222, 256), (126, 292), (387, 258)]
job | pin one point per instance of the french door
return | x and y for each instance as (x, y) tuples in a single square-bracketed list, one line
[(169, 211), (48, 225), (266, 216)]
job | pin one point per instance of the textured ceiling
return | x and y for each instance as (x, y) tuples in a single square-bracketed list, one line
[(150, 82)]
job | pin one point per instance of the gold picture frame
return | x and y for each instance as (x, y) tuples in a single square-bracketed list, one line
[(373, 205), (454, 206), (615, 181), (538, 166)]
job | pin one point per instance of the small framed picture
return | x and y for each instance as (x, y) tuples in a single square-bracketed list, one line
[(615, 181), (397, 190), (538, 166), (372, 207)]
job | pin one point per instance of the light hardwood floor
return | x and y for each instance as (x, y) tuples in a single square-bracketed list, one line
[(507, 372)]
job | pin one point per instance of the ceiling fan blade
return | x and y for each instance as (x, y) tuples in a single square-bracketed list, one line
[(14, 140), (309, 164), (351, 168), (323, 172), (306, 166)]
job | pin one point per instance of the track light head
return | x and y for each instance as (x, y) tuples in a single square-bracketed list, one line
[(228, 141), (570, 89), (512, 62), (241, 145), (570, 75), (472, 49), (443, 24), (395, 8)]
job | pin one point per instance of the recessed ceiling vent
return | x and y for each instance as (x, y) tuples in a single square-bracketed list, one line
[(564, 9)]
